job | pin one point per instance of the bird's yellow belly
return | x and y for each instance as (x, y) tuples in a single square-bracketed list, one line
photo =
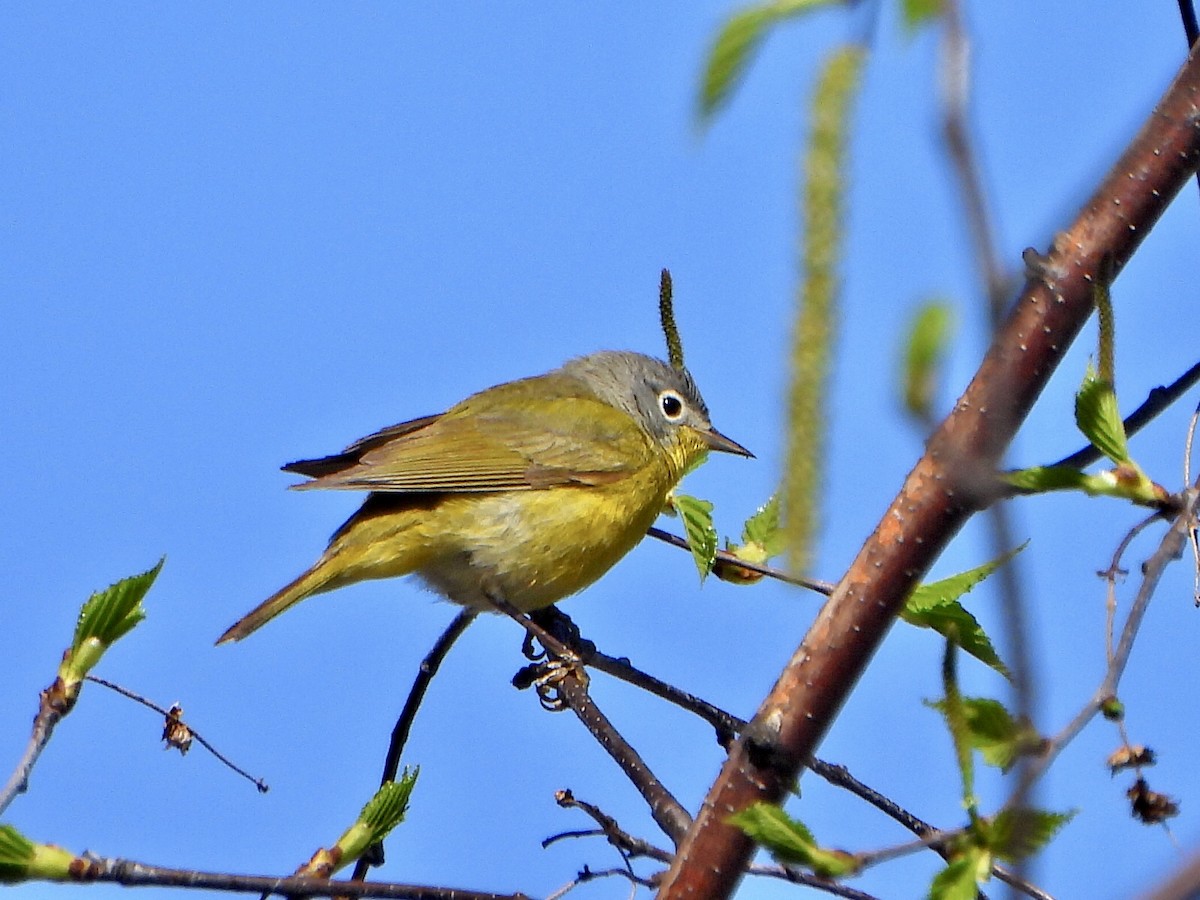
[(535, 547)]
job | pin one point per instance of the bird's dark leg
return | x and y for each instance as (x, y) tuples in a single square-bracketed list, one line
[(560, 658)]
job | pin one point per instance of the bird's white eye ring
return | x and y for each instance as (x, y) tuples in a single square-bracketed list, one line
[(672, 405)]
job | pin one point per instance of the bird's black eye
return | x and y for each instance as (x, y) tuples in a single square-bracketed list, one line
[(672, 405)]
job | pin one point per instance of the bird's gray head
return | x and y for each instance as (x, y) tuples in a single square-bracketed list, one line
[(660, 397)]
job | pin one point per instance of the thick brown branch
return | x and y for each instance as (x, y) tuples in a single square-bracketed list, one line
[(949, 483)]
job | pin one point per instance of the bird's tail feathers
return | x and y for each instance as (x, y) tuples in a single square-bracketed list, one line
[(315, 581)]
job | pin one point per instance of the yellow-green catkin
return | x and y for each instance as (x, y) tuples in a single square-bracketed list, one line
[(813, 335)]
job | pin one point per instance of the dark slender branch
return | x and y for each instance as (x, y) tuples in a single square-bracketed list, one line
[(566, 678), (726, 725), (795, 876), (629, 845), (948, 485), (666, 811), (1187, 13), (416, 694), (134, 874), (587, 875), (199, 738), (724, 556)]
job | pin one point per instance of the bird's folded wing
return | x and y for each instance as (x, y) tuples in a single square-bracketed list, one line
[(508, 446)]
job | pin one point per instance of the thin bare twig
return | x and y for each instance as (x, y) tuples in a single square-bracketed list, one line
[(955, 85), (1169, 550), (48, 716), (724, 556), (262, 786), (631, 846), (565, 674), (666, 811), (135, 874)]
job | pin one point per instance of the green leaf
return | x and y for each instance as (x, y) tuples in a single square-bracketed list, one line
[(382, 813), (1039, 479), (16, 854), (23, 860), (953, 622), (916, 13), (698, 529), (1017, 833), (736, 44), (959, 880), (928, 338), (387, 808), (1126, 482), (1097, 416), (762, 536), (935, 605), (946, 591), (105, 618), (991, 729), (790, 841)]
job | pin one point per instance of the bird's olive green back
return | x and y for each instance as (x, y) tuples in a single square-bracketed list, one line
[(528, 434)]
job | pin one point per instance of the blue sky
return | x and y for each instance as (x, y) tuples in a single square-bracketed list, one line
[(235, 235)]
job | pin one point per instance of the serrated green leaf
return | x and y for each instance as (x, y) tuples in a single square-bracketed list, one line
[(387, 808), (916, 13), (105, 618), (953, 622), (925, 348), (763, 530), (948, 590), (1097, 416), (383, 812), (935, 605), (108, 615), (698, 529), (960, 879), (736, 44), (790, 841), (1017, 833)]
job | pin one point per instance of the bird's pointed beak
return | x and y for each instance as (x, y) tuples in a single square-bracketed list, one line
[(718, 441)]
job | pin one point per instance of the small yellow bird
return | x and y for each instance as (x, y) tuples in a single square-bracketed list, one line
[(527, 492)]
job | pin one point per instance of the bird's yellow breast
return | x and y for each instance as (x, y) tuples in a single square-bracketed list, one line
[(535, 547)]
